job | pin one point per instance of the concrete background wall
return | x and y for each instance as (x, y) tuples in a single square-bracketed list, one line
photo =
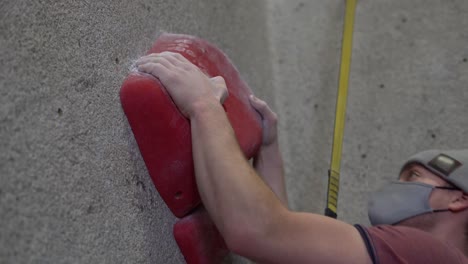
[(74, 188), (408, 92)]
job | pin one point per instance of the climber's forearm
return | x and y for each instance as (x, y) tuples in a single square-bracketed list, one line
[(230, 189), (269, 165)]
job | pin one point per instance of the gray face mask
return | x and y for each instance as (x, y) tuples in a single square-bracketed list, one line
[(401, 200)]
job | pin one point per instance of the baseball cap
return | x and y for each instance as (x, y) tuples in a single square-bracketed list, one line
[(450, 165)]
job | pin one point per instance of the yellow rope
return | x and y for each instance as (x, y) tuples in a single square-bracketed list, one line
[(334, 172)]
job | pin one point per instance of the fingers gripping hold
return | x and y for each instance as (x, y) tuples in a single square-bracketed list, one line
[(175, 58), (178, 60), (154, 58), (186, 83), (158, 70)]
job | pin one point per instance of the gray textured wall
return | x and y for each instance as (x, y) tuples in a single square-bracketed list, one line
[(74, 188)]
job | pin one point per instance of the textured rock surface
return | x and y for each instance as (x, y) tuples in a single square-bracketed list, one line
[(74, 188)]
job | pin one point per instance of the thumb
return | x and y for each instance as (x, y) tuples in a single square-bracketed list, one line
[(219, 88), (259, 105), (264, 110)]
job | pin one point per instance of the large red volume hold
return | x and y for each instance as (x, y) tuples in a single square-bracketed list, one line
[(163, 133), (199, 240)]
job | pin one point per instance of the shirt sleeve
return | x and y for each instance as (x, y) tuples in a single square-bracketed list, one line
[(367, 241), (398, 244)]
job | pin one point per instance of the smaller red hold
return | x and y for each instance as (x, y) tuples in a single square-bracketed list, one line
[(199, 240)]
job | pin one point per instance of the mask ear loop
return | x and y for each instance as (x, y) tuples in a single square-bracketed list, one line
[(440, 210), (447, 188)]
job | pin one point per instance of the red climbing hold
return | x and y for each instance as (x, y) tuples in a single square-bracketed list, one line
[(163, 133), (198, 239)]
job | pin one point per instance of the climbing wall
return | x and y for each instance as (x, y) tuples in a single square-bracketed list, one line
[(74, 187)]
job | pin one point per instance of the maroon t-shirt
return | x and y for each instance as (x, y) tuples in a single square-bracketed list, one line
[(399, 244)]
